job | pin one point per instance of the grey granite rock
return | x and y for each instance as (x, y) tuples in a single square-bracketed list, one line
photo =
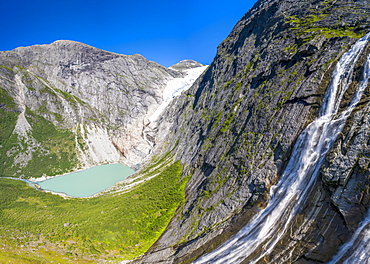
[(185, 65), (78, 87), (234, 129)]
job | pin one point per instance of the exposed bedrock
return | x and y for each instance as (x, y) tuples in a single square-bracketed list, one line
[(234, 131)]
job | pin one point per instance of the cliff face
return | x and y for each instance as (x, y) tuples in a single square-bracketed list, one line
[(77, 106), (235, 128)]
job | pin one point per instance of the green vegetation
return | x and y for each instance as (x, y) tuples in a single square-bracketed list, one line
[(53, 150), (322, 23), (6, 68), (230, 116), (45, 149), (307, 25), (305, 22), (59, 144), (340, 32), (111, 226), (9, 254), (71, 98), (8, 119)]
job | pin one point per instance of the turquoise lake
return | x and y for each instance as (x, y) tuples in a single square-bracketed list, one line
[(87, 182)]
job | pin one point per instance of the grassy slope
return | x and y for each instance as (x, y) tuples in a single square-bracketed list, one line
[(38, 227), (55, 149), (34, 224), (8, 119)]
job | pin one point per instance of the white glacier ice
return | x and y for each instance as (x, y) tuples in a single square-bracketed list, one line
[(175, 87)]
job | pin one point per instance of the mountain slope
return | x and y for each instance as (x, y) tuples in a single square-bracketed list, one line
[(65, 106), (234, 131), (94, 104)]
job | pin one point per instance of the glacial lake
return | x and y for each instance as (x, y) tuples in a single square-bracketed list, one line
[(87, 182)]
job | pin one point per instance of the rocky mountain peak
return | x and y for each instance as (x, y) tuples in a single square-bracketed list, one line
[(186, 65), (85, 89)]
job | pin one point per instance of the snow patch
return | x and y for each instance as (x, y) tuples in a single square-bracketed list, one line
[(175, 87)]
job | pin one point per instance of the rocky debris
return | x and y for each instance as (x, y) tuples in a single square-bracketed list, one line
[(22, 125)]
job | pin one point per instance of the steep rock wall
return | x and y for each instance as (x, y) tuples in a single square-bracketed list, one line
[(102, 98), (235, 128)]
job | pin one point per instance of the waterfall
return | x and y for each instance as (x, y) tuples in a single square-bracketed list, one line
[(357, 250), (359, 245), (266, 229)]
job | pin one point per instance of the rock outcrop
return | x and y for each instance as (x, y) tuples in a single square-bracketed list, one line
[(234, 130), (186, 65)]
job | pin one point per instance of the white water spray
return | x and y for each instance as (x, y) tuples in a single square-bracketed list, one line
[(357, 249), (266, 229)]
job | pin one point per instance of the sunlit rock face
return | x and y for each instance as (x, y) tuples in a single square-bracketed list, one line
[(234, 131), (104, 98)]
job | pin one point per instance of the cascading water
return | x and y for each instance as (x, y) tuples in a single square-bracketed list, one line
[(267, 228), (357, 250)]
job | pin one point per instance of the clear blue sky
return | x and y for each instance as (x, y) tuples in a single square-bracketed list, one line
[(162, 31)]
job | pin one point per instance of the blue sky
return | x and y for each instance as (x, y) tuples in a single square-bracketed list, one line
[(162, 31)]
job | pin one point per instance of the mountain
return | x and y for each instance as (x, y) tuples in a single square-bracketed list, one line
[(234, 132), (272, 142), (67, 106), (69, 92)]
